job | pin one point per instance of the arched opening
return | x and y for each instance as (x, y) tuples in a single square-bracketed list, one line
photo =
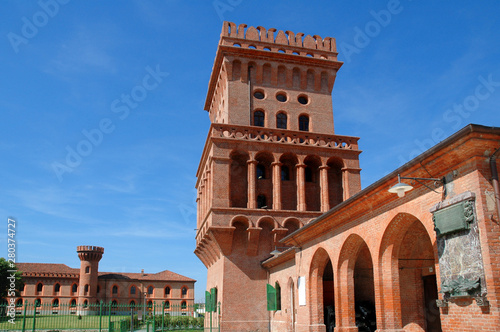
[(408, 283), (324, 81), (313, 191), (335, 185), (238, 180), (239, 245), (310, 79), (259, 118), (364, 290), (292, 313), (304, 123), (57, 288), (288, 181), (322, 294), (263, 182), (291, 225), (281, 120)]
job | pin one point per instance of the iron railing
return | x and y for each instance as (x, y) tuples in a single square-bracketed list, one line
[(102, 317)]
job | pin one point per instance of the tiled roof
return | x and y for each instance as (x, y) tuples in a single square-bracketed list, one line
[(163, 276), (47, 269), (60, 270)]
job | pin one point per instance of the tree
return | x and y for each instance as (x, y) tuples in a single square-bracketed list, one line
[(7, 277)]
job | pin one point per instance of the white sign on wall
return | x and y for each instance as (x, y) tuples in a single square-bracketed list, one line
[(302, 290)]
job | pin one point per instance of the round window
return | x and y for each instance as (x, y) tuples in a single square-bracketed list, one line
[(303, 100), (258, 94), (281, 97)]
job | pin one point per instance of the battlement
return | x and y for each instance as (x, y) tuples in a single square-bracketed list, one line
[(276, 41), (89, 253)]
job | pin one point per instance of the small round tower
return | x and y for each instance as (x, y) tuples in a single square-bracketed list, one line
[(89, 269)]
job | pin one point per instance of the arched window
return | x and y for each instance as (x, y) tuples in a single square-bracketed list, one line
[(278, 296), (86, 289), (98, 288), (150, 304), (261, 172), (285, 173), (150, 290), (87, 269), (55, 303), (19, 303), (85, 303), (261, 201), (258, 118), (39, 287), (132, 304), (114, 304), (183, 305), (132, 290), (167, 291), (38, 302), (74, 288), (72, 303), (114, 290), (167, 304), (184, 291), (308, 174), (57, 288), (281, 121), (304, 123)]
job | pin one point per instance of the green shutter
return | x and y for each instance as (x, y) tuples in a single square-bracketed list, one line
[(271, 298), (208, 302), (213, 293)]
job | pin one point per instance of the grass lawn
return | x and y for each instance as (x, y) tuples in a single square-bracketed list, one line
[(60, 322)]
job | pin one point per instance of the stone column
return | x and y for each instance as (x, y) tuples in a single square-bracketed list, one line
[(323, 184), (252, 200), (301, 187), (276, 185)]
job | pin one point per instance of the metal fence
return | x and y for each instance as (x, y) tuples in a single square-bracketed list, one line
[(102, 317)]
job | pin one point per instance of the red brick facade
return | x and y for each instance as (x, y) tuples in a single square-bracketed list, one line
[(267, 180), (58, 283)]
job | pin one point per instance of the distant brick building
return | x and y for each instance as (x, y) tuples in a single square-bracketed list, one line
[(273, 175), (58, 284)]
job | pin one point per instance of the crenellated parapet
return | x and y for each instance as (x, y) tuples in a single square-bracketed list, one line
[(279, 41), (90, 253)]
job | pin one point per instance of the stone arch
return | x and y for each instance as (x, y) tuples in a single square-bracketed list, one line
[(312, 183), (291, 224), (355, 282), (267, 219), (238, 179), (321, 267), (289, 185), (241, 219), (335, 181), (405, 241)]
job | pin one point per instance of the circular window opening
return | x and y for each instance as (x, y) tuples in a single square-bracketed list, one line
[(258, 94), (281, 97), (303, 100)]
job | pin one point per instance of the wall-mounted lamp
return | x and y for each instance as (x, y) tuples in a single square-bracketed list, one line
[(401, 188)]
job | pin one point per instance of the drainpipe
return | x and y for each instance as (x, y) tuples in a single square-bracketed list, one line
[(494, 178)]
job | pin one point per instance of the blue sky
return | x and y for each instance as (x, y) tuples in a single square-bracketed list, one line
[(83, 165)]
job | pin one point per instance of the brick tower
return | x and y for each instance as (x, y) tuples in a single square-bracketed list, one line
[(89, 270), (271, 162)]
